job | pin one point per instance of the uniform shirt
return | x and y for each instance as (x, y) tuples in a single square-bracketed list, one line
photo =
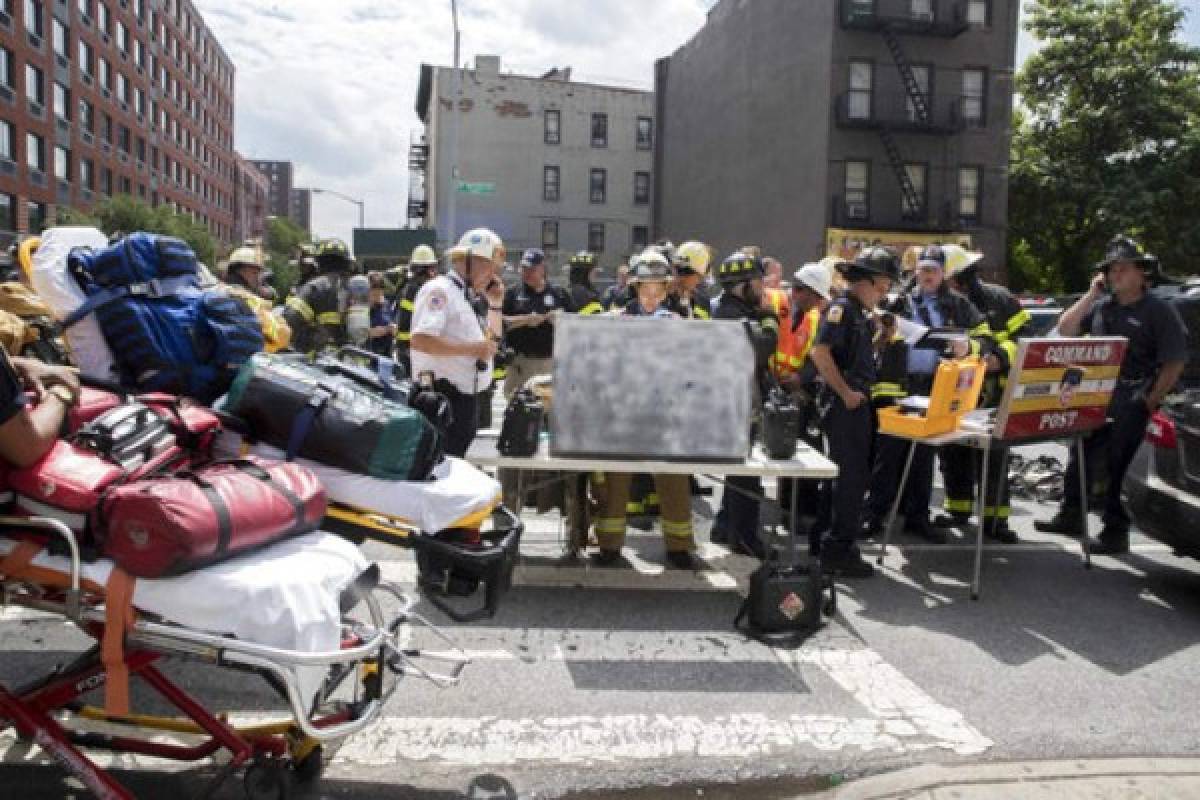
[(849, 334), (12, 394), (923, 360), (1156, 333), (537, 341), (442, 309)]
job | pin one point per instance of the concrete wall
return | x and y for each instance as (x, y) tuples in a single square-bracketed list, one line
[(745, 130), (501, 142)]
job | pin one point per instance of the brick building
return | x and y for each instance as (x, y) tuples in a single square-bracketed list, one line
[(251, 193), (107, 97)]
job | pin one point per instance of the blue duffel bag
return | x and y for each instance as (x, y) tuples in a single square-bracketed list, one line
[(167, 332)]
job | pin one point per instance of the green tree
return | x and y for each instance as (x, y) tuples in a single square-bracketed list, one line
[(283, 241), (1108, 140), (126, 214)]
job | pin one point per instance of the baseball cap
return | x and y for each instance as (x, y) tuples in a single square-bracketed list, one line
[(533, 257)]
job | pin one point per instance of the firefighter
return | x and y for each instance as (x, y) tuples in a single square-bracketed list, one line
[(741, 278), (315, 312), (687, 297), (618, 295), (422, 265), (651, 277), (244, 277), (584, 297), (845, 357), (935, 305), (1119, 303), (1007, 321)]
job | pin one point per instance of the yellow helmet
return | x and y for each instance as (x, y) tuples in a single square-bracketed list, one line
[(693, 256), (959, 260), (423, 255)]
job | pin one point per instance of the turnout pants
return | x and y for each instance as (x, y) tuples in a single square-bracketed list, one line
[(890, 454), (1113, 447), (849, 433), (960, 471), (675, 497)]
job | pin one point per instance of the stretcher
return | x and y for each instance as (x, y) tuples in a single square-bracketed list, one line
[(305, 615)]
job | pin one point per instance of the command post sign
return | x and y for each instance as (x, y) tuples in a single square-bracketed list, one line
[(1059, 387)]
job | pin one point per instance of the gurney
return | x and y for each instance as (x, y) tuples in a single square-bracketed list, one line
[(304, 615)]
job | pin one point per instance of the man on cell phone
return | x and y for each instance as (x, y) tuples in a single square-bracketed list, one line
[(1153, 364)]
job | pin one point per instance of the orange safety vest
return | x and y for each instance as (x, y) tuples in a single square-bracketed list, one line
[(795, 345)]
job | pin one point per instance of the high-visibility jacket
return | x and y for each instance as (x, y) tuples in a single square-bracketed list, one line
[(277, 334), (314, 314), (796, 340), (780, 302)]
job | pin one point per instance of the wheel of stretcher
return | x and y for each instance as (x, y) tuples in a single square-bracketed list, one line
[(268, 780), (308, 769)]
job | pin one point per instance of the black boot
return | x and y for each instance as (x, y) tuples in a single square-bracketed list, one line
[(955, 519), (681, 559), (847, 564), (1066, 521), (919, 526), (1112, 541), (998, 530)]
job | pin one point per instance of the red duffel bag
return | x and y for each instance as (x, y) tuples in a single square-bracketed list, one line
[(174, 524)]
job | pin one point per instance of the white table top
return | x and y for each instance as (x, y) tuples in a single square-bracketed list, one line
[(807, 463)]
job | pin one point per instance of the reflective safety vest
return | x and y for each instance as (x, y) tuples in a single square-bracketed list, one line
[(781, 303), (795, 344), (277, 334)]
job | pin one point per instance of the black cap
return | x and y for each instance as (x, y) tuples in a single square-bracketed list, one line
[(871, 262)]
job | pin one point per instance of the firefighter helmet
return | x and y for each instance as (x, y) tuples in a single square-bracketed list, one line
[(650, 266), (423, 256), (692, 257), (739, 268)]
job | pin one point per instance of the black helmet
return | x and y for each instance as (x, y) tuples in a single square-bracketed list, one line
[(739, 268), (871, 262), (1123, 248), (332, 255)]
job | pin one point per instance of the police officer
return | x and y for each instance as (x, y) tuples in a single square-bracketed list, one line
[(845, 357), (314, 313), (1007, 321), (687, 297), (530, 310), (1153, 364), (584, 297), (935, 305), (453, 345), (741, 278), (422, 266)]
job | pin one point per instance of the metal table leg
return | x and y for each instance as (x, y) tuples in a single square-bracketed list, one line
[(895, 509), (980, 505), (1085, 541)]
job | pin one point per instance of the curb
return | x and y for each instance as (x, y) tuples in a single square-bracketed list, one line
[(999, 778)]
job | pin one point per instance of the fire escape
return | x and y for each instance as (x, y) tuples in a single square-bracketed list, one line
[(418, 170), (892, 19)]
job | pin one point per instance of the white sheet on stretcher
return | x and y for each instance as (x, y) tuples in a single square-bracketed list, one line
[(283, 596), (457, 490)]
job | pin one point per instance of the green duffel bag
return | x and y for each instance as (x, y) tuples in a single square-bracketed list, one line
[(332, 419)]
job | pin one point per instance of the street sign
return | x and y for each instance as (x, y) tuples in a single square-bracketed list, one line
[(465, 187)]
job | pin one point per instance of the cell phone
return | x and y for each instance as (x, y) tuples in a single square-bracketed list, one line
[(425, 379)]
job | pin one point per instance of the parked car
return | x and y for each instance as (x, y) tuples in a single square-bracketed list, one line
[(1162, 487)]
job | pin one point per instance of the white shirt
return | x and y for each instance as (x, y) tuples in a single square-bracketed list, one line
[(441, 309)]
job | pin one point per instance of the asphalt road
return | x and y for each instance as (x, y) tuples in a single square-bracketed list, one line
[(591, 681)]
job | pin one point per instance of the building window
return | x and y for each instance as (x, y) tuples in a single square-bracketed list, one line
[(862, 81), (122, 88), (6, 67), (8, 212), (103, 19), (8, 141), (858, 190), (87, 174), (641, 238), (974, 99), (645, 133), (641, 188), (552, 134), (598, 186), (122, 37), (106, 181), (970, 186), (921, 9), (977, 12), (35, 89), (596, 237), (37, 216), (549, 234), (33, 17), (599, 130), (551, 184), (916, 177), (87, 116), (59, 35), (85, 58), (62, 102), (62, 163), (35, 152), (105, 74), (85, 7)]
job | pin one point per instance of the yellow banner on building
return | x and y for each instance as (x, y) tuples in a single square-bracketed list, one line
[(845, 243)]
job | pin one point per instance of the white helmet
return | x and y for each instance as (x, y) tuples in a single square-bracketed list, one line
[(649, 266), (483, 243), (817, 276), (245, 255)]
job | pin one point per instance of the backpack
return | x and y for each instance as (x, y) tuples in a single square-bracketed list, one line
[(786, 603), (27, 326), (167, 332)]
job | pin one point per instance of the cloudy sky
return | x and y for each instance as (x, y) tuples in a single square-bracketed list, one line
[(331, 85)]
